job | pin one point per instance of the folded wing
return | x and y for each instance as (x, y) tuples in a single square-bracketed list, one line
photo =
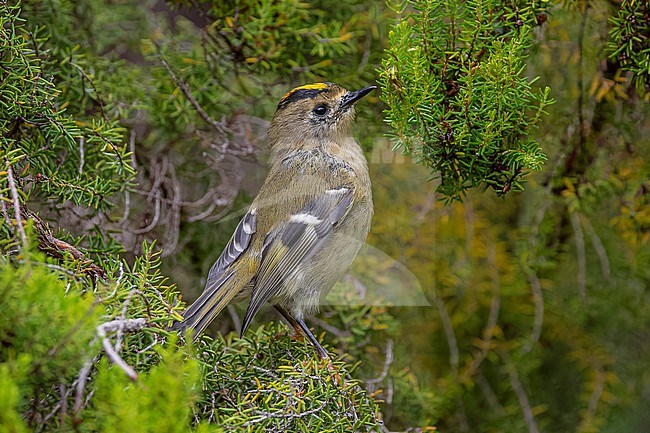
[(294, 241)]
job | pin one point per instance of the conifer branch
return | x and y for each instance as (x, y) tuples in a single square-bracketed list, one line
[(218, 126)]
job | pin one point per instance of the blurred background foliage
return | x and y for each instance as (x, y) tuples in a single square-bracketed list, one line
[(126, 122)]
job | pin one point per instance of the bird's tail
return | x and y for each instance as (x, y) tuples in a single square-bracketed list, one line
[(214, 298)]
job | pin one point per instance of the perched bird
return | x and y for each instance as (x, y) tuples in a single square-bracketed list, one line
[(308, 221)]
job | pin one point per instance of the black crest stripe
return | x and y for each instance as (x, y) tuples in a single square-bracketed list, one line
[(307, 91)]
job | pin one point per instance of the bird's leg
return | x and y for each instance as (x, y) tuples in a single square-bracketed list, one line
[(297, 331), (301, 328)]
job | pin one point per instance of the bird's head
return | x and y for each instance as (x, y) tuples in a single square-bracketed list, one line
[(315, 113)]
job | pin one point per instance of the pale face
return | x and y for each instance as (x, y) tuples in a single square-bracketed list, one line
[(318, 111)]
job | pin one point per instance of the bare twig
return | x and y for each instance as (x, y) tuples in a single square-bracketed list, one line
[(601, 252), (5, 213), (488, 392), (538, 300), (125, 307), (82, 154), (495, 307), (581, 256), (203, 215), (207, 197), (371, 384), (461, 415), (154, 221), (597, 393), (127, 193), (517, 386), (533, 279), (362, 289), (340, 333), (82, 379), (149, 347), (366, 54), (171, 235), (16, 201), (448, 327), (59, 407), (119, 325)]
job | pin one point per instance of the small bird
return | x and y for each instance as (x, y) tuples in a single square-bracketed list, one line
[(307, 223)]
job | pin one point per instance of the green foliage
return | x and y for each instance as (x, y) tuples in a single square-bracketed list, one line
[(302, 39), (458, 100), (10, 401), (70, 96), (91, 162), (141, 291), (539, 302), (268, 382), (45, 333), (31, 298), (47, 326), (159, 401), (258, 34), (630, 42), (49, 335)]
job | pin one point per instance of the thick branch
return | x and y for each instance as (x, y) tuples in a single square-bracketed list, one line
[(57, 248)]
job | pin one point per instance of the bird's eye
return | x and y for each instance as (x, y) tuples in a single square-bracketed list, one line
[(320, 110)]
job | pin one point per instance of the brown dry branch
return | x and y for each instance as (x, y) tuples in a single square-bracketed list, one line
[(57, 248)]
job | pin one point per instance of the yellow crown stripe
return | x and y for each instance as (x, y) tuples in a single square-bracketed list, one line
[(313, 86)]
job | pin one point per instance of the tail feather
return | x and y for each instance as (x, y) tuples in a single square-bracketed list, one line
[(213, 299)]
